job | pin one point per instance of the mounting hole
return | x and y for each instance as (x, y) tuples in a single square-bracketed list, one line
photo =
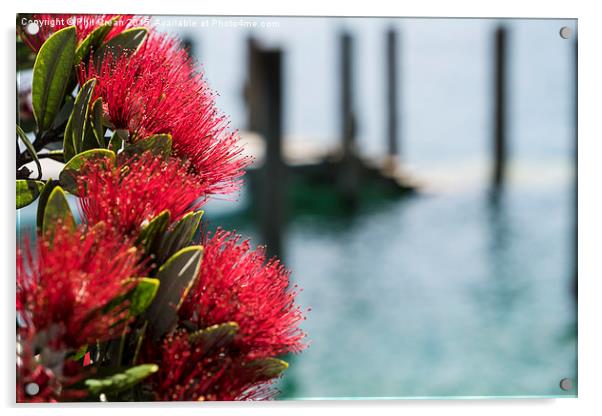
[(565, 32), (32, 28), (32, 389), (566, 384)]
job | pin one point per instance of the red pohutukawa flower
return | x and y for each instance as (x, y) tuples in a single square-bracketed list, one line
[(137, 190), (191, 373), (239, 313), (84, 24), (48, 384), (236, 284), (28, 372), (65, 281), (158, 90)]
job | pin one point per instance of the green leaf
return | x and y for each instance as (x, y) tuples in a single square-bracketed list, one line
[(178, 236), (158, 144), (57, 209), (51, 73), (143, 295), (127, 42), (27, 191), (60, 120), (55, 155), (89, 141), (177, 276), (97, 125), (152, 231), (79, 354), (93, 40), (30, 149), (215, 337), (264, 369), (121, 381), (44, 195), (78, 161), (76, 126), (69, 174)]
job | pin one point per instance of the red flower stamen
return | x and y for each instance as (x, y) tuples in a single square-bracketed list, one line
[(188, 373), (157, 90), (134, 192), (64, 283), (236, 284)]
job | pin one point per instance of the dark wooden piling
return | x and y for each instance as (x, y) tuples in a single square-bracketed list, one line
[(253, 87), (264, 99), (347, 116), (499, 135), (190, 46), (392, 91), (273, 169), (348, 180)]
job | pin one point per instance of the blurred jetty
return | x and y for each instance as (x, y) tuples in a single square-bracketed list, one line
[(308, 157), (304, 176), (298, 175)]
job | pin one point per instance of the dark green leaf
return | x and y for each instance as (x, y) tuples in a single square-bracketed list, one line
[(152, 231), (264, 369), (93, 40), (63, 115), (97, 125), (143, 295), (178, 236), (126, 43), (158, 144), (76, 126), (90, 141), (57, 209), (177, 275), (121, 381), (69, 174), (30, 149), (215, 337), (44, 195), (27, 192), (51, 73)]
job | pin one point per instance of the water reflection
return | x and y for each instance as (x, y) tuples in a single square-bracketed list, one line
[(438, 295)]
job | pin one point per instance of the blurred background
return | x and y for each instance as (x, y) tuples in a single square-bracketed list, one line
[(418, 176)]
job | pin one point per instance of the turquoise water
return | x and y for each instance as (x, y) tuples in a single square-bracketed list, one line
[(437, 296)]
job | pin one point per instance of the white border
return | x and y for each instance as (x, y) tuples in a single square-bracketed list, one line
[(590, 209)]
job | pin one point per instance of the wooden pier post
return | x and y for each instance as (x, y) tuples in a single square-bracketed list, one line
[(264, 99), (190, 45), (499, 143), (348, 180), (253, 87), (392, 106), (347, 116)]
